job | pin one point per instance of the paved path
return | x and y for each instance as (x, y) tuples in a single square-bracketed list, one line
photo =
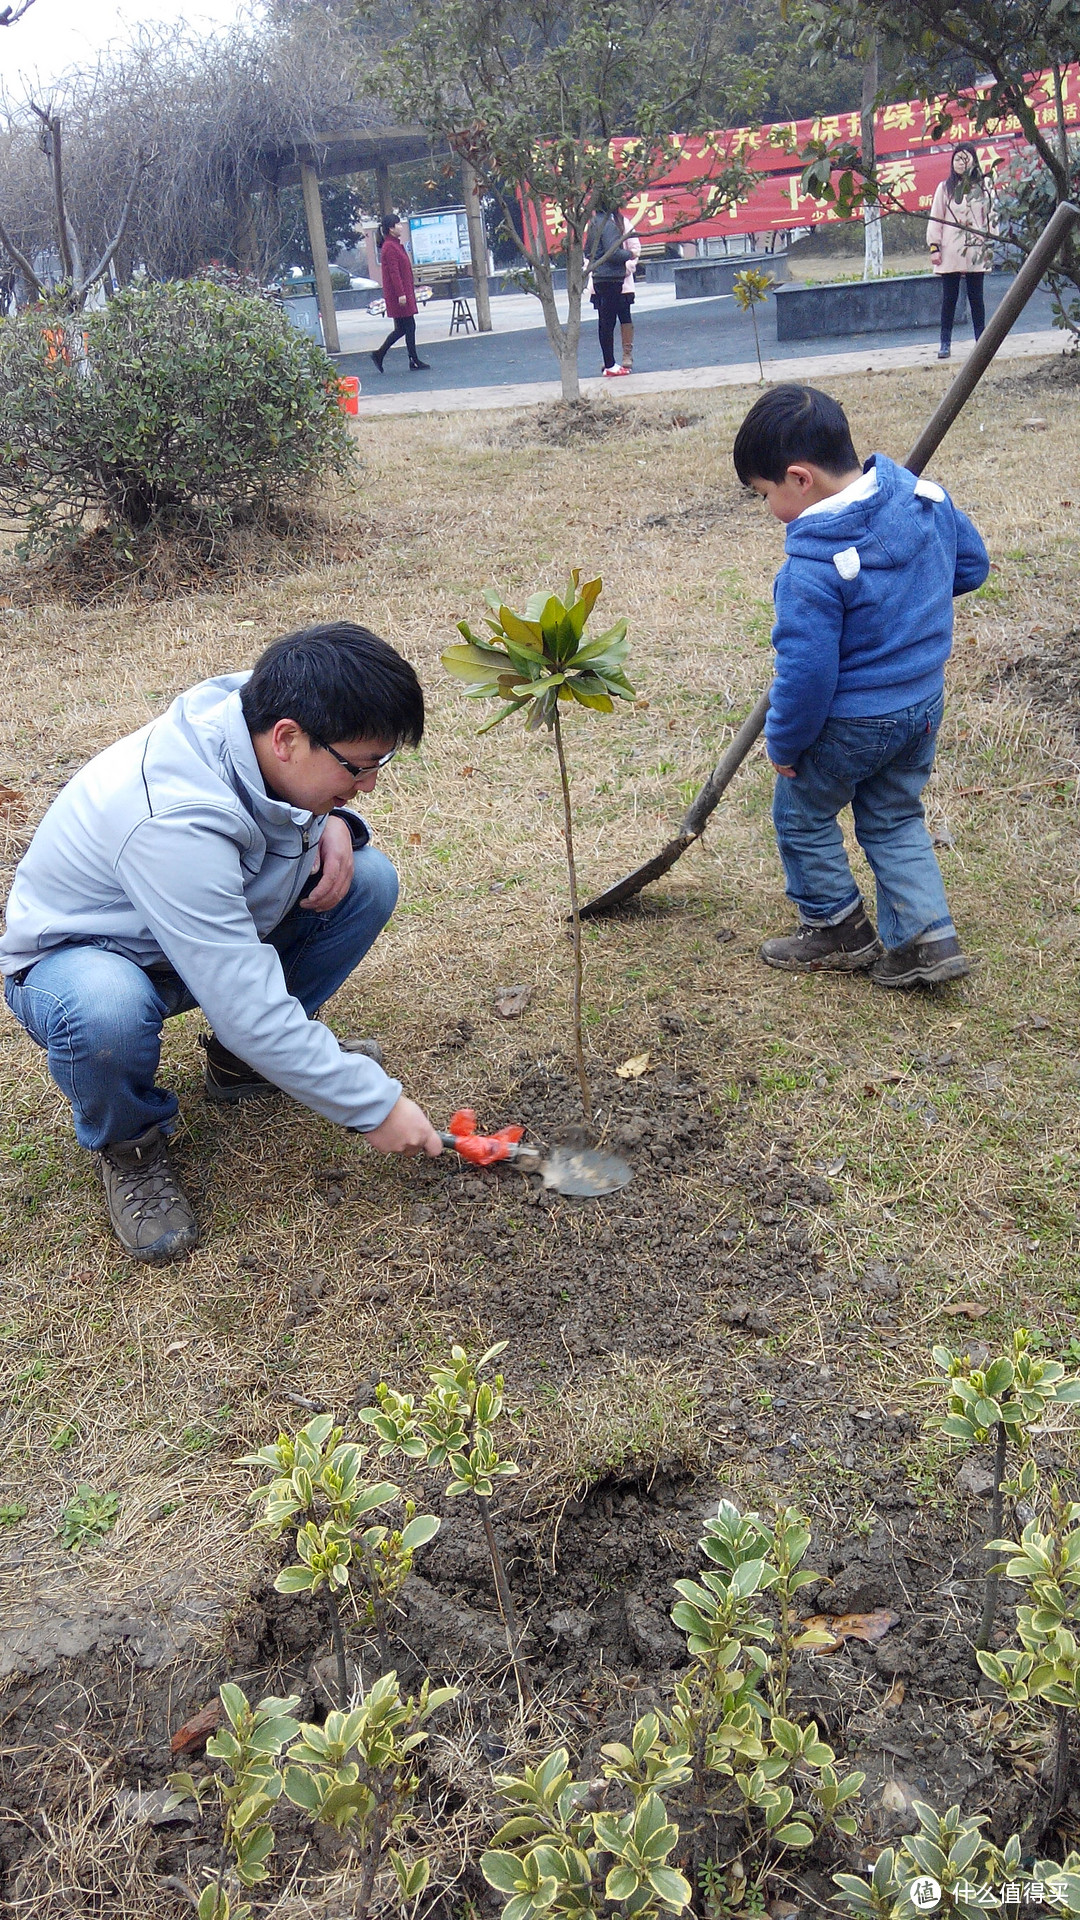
[(869, 359), (692, 343)]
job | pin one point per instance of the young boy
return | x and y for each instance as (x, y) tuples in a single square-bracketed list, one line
[(212, 859), (863, 629)]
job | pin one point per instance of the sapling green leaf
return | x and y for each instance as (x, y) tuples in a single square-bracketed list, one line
[(536, 664)]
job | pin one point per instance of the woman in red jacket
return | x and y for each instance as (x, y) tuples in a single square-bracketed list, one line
[(399, 293)]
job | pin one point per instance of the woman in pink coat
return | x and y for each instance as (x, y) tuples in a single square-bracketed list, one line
[(959, 233), (399, 293)]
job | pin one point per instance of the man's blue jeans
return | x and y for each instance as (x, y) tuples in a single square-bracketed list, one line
[(99, 1016), (878, 767)]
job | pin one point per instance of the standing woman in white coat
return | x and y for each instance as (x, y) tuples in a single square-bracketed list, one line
[(959, 234)]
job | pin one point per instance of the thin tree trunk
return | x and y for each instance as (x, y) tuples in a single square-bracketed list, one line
[(990, 1590), (378, 1608), (337, 1636), (1062, 129), (757, 344), (371, 1864), (873, 253), (1061, 1762), (568, 835), (506, 1603)]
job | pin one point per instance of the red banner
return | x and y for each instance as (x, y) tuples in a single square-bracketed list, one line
[(910, 164)]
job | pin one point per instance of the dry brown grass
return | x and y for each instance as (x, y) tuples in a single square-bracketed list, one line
[(150, 1383)]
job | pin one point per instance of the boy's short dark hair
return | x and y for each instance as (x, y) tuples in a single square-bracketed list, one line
[(788, 424), (338, 682)]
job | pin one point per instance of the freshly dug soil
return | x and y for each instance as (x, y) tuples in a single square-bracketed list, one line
[(702, 1263)]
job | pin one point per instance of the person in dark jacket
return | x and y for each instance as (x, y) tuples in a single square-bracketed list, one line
[(399, 293), (864, 622), (608, 259)]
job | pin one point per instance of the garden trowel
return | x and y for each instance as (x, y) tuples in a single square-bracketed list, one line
[(581, 1170)]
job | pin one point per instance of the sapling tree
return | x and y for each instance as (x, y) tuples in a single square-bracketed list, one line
[(318, 1488), (1002, 1400), (537, 663), (1046, 1665), (951, 1849), (750, 288), (356, 1774), (562, 1854), (249, 1748), (453, 1426)]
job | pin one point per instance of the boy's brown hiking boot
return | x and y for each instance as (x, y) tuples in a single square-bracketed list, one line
[(922, 963), (846, 948), (150, 1215), (229, 1080)]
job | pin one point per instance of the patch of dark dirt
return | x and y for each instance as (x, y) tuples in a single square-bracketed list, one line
[(1049, 673), (698, 517), (107, 564), (1061, 374), (563, 423), (705, 1267)]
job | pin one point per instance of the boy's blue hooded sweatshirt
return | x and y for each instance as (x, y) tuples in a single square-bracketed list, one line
[(864, 613)]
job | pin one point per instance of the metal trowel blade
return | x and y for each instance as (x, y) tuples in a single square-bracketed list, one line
[(584, 1170)]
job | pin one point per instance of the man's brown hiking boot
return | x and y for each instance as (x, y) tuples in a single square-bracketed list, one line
[(149, 1214), (846, 948), (922, 963), (229, 1080)]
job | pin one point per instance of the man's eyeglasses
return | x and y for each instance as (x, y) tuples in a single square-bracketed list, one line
[(357, 773)]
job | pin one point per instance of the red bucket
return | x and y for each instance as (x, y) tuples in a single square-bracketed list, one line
[(348, 394)]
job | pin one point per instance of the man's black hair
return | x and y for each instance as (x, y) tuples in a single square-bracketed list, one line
[(791, 424), (338, 682)]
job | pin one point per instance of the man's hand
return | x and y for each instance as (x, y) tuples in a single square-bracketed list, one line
[(788, 772), (406, 1130), (334, 866)]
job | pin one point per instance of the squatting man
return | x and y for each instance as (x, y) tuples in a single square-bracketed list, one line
[(212, 860)]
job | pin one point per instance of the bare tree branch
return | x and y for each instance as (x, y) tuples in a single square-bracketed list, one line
[(19, 260), (92, 278), (9, 15)]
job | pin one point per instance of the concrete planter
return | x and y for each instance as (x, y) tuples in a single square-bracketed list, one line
[(834, 309), (705, 279)]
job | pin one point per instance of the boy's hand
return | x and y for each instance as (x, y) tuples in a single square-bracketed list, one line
[(334, 866), (406, 1130), (788, 772)]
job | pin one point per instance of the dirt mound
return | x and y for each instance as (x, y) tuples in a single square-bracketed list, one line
[(1050, 674), (564, 423)]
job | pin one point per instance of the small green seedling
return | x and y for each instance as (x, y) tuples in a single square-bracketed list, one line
[(357, 1775), (454, 1427), (318, 1488), (11, 1512), (1004, 1398), (537, 662), (750, 288), (89, 1515), (559, 1854), (249, 1747), (1046, 1665), (967, 1872)]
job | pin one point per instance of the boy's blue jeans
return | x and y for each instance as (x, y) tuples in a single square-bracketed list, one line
[(879, 768), (99, 1016)]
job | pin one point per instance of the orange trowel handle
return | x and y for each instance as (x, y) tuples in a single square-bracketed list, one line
[(480, 1149)]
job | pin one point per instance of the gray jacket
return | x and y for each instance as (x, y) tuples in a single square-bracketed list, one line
[(167, 847)]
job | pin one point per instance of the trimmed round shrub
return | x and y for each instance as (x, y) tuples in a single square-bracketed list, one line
[(180, 404)]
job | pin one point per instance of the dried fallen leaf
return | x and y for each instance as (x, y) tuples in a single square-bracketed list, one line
[(633, 1068), (415, 839), (970, 1309), (13, 803), (870, 1627), (196, 1731), (895, 1696), (177, 1346), (511, 1002)]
